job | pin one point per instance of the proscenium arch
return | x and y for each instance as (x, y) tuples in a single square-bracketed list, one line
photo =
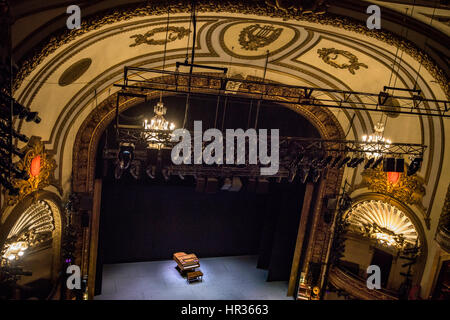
[(90, 132), (411, 215), (54, 201)]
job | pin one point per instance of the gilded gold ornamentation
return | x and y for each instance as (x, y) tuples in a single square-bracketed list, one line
[(408, 190), (443, 230), (331, 56), (45, 175), (174, 33), (254, 36)]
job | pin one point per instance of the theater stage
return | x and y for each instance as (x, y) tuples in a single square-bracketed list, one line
[(225, 278)]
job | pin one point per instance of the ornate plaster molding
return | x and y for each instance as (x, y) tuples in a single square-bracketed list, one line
[(257, 7)]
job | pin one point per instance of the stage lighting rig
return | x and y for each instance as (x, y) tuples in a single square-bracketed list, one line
[(414, 166)]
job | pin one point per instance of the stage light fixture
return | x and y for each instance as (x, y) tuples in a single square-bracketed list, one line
[(6, 130), (377, 162), (126, 155), (135, 169), (165, 173), (316, 174), (327, 161), (414, 166), (226, 184), (236, 185), (151, 171), (336, 160), (369, 163), (18, 110), (343, 162), (358, 162), (118, 171), (13, 149), (305, 171)]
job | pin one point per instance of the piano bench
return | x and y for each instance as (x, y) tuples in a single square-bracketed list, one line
[(194, 276)]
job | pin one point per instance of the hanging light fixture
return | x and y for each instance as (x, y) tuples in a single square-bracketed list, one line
[(158, 131), (374, 143)]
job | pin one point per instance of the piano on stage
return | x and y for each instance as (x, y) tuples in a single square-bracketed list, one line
[(186, 262)]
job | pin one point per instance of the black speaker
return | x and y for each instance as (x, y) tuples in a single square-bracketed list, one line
[(389, 165), (400, 165)]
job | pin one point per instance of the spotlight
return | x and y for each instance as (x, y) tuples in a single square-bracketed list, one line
[(150, 171), (226, 184), (351, 163), (135, 169), (118, 171), (414, 166), (377, 163), (305, 174), (165, 173), (327, 161), (358, 162), (6, 130), (14, 150), (335, 162), (18, 110), (343, 162), (369, 163), (126, 155), (316, 174)]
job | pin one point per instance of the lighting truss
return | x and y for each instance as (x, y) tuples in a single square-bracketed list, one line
[(312, 151), (217, 84), (135, 135)]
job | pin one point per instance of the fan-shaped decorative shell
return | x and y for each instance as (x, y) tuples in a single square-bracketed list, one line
[(37, 220), (383, 216)]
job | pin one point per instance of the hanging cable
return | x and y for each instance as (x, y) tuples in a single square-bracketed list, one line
[(165, 48), (425, 46), (259, 101), (403, 51), (194, 25)]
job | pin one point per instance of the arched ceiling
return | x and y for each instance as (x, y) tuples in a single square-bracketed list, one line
[(76, 71)]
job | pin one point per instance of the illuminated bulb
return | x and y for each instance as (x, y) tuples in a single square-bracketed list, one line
[(20, 253), (11, 257)]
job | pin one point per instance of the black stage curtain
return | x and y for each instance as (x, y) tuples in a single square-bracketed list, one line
[(141, 222)]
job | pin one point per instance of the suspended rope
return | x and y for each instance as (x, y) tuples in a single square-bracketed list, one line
[(425, 45), (165, 48)]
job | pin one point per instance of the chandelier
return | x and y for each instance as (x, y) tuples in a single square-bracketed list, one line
[(15, 250), (375, 142), (158, 132)]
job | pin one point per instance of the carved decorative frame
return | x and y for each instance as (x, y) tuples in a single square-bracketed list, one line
[(55, 203), (90, 132), (45, 177)]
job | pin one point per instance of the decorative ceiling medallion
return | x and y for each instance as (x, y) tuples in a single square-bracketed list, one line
[(175, 33), (408, 190), (39, 178), (252, 41), (33, 228), (74, 72), (383, 222), (255, 36), (340, 59)]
